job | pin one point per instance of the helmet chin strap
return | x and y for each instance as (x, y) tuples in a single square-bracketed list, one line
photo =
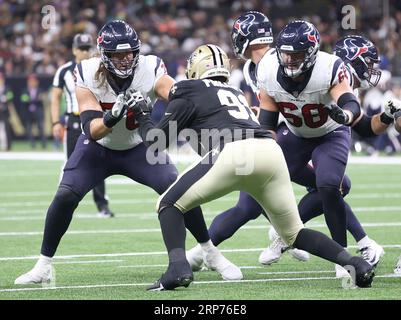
[(293, 73)]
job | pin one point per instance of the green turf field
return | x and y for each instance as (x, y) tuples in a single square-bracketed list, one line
[(117, 258)]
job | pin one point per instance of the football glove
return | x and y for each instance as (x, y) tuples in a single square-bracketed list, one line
[(114, 115), (337, 114), (137, 103), (392, 108)]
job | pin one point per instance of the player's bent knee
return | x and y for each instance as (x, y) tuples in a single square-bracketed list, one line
[(289, 236), (345, 186), (166, 181), (67, 197)]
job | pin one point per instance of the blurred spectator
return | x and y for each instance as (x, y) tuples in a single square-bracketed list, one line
[(6, 97), (31, 98), (173, 28)]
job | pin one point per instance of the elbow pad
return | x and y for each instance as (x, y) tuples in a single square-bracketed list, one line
[(348, 101), (86, 118), (364, 127), (268, 119)]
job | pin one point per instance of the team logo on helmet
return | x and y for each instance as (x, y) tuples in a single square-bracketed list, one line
[(352, 50), (244, 25)]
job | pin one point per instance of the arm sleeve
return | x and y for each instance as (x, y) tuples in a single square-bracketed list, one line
[(364, 127), (179, 112)]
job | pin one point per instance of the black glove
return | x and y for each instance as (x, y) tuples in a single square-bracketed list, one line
[(136, 102), (337, 114)]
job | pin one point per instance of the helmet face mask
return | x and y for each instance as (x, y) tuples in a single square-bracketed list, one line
[(250, 28), (208, 61), (119, 48), (362, 57), (297, 47), (293, 62), (121, 63)]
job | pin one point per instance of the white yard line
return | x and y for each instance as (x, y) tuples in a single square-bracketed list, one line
[(151, 215), (219, 282), (152, 200), (146, 230), (87, 262), (150, 253)]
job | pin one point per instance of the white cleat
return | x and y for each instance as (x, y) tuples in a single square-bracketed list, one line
[(397, 269), (36, 276), (300, 255), (372, 253), (195, 258), (214, 260), (273, 253), (341, 272)]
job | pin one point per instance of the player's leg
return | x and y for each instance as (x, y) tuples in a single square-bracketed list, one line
[(297, 154), (277, 198), (225, 225), (329, 160), (159, 176), (84, 169), (212, 177)]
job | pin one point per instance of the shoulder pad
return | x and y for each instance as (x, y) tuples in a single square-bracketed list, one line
[(184, 88)]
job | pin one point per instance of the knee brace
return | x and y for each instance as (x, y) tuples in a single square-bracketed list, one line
[(66, 197)]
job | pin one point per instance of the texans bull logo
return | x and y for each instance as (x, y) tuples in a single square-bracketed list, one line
[(244, 25)]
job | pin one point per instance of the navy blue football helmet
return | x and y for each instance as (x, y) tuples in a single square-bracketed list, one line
[(361, 55), (118, 36), (250, 28), (297, 47)]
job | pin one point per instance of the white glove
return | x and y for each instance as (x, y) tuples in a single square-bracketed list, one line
[(391, 107), (118, 106)]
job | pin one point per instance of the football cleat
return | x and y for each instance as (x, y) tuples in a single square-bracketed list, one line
[(341, 272), (300, 255), (178, 274), (372, 253), (37, 275), (105, 213), (273, 253), (364, 272), (195, 258), (214, 260), (397, 269)]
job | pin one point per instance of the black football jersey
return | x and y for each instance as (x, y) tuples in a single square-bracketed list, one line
[(217, 112)]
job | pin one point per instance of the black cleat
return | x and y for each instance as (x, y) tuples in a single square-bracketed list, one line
[(178, 274), (364, 272)]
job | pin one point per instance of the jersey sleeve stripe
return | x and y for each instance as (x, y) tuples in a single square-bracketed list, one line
[(79, 66), (157, 64), (335, 68)]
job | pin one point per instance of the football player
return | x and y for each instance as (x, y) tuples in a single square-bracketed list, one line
[(251, 42), (110, 143), (64, 82), (207, 104)]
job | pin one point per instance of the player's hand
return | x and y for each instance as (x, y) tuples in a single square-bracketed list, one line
[(392, 108), (137, 103), (114, 115), (118, 108), (58, 131), (337, 114)]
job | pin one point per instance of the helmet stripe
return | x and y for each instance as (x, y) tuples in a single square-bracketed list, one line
[(217, 58)]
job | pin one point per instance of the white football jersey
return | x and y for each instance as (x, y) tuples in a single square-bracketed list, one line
[(303, 108), (148, 71), (249, 71)]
